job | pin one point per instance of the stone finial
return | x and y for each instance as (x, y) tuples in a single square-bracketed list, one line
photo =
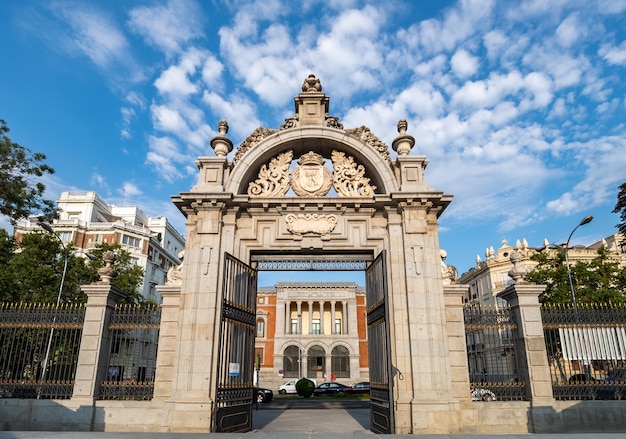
[(517, 273), (403, 143), (312, 84), (221, 144), (107, 273)]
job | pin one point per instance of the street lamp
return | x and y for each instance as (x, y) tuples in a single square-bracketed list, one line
[(585, 220), (68, 254)]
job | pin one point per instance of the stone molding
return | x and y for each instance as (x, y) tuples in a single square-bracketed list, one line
[(303, 223)]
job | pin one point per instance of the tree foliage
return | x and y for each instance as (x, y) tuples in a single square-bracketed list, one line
[(620, 207), (31, 271), (600, 280), (20, 194)]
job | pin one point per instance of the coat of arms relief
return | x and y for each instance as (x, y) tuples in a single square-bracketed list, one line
[(311, 179)]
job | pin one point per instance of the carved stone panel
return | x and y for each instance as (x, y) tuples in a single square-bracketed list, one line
[(273, 180), (302, 223), (349, 178)]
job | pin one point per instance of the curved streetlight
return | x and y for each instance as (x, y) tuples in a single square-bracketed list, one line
[(585, 220), (68, 254)]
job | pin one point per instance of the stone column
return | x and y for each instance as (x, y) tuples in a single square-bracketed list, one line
[(332, 318), (93, 357), (299, 323), (344, 318), (321, 317), (455, 325), (530, 344), (310, 317), (287, 313)]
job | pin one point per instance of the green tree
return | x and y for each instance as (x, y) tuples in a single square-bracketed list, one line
[(20, 193), (620, 207), (33, 272), (600, 280), (129, 275)]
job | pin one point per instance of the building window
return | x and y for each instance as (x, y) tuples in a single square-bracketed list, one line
[(258, 355), (260, 328), (261, 300), (315, 327), (131, 241), (65, 236), (337, 326), (340, 362), (291, 359), (316, 361), (294, 326)]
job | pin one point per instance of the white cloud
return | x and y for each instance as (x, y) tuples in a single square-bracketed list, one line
[(463, 64), (166, 158), (168, 26), (614, 54), (130, 189), (570, 31)]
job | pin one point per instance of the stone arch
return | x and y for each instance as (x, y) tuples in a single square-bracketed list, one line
[(322, 140)]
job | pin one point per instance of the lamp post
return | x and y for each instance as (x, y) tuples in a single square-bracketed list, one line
[(585, 220), (67, 254)]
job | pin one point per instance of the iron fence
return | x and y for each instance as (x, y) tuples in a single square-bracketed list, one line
[(586, 349), (39, 345), (490, 334), (134, 334)]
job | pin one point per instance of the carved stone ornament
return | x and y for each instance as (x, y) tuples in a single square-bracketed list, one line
[(319, 224), (311, 178), (349, 178), (251, 141), (363, 133), (175, 273), (107, 273), (273, 180)]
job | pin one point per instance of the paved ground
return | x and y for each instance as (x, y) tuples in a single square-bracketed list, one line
[(278, 421)]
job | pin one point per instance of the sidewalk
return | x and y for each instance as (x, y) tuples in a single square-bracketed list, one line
[(276, 423)]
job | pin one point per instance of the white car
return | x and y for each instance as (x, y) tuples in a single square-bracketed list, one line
[(290, 386)]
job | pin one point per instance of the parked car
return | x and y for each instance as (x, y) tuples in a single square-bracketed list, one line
[(263, 395), (478, 394), (330, 389), (359, 388), (290, 386), (580, 378)]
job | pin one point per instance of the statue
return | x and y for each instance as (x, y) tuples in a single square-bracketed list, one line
[(175, 274), (449, 273)]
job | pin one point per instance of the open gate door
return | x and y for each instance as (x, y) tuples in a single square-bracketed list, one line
[(235, 368), (379, 343)]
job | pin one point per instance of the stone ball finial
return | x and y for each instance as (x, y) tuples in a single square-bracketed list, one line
[(312, 84), (221, 144), (403, 143), (517, 273), (107, 273), (222, 127)]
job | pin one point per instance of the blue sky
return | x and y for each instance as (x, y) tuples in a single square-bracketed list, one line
[(518, 105)]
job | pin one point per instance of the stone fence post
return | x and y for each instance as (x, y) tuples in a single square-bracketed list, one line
[(530, 344), (459, 370), (93, 357), (168, 341)]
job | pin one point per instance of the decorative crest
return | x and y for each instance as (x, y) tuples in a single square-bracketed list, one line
[(273, 180), (311, 178), (349, 178)]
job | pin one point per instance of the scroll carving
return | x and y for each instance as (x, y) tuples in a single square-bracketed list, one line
[(319, 224), (257, 135), (273, 180), (363, 133), (349, 178)]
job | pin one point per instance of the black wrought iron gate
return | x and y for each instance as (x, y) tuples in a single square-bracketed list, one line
[(235, 368), (381, 378)]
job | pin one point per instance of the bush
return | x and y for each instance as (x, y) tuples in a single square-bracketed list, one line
[(305, 387)]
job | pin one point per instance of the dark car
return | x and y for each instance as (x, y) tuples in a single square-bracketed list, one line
[(581, 378), (263, 395), (330, 389), (359, 388)]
